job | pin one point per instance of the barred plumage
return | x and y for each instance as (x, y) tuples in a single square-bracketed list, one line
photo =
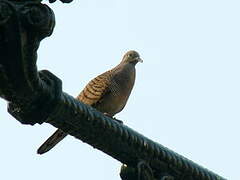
[(108, 93)]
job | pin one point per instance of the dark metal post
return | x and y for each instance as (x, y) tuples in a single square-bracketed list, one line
[(36, 97)]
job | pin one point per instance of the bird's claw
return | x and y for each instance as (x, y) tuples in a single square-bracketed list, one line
[(119, 121)]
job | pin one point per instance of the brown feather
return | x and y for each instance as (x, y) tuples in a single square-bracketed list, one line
[(108, 93)]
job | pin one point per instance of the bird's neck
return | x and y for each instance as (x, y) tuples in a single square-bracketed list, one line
[(125, 67), (125, 72)]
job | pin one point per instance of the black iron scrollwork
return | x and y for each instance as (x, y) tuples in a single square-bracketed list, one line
[(36, 96), (22, 27)]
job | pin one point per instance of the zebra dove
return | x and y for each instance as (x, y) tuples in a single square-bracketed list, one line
[(108, 93)]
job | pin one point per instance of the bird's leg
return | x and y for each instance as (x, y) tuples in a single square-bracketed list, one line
[(119, 121)]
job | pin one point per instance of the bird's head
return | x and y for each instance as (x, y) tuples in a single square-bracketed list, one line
[(132, 57)]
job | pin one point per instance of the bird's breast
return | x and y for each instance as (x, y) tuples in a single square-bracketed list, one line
[(120, 88)]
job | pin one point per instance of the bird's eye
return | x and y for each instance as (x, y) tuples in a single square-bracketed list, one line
[(130, 55)]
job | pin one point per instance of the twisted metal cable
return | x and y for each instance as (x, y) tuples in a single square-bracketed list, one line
[(36, 97), (123, 143)]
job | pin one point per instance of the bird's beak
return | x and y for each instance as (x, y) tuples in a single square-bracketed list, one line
[(139, 60)]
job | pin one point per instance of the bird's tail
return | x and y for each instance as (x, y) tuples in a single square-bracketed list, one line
[(57, 136)]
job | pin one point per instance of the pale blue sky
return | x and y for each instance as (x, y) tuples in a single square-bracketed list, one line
[(186, 95)]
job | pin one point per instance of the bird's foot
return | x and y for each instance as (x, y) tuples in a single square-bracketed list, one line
[(119, 121)]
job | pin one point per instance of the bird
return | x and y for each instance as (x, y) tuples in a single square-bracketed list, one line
[(107, 93)]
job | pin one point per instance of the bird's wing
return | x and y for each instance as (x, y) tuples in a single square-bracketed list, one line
[(96, 89), (92, 95)]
